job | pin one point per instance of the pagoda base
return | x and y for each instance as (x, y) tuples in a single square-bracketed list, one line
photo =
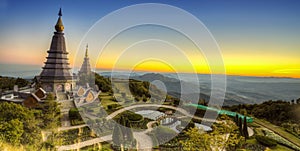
[(58, 85)]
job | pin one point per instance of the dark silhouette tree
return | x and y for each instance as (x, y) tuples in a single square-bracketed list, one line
[(298, 101), (292, 101), (237, 119), (245, 128), (129, 133), (51, 113), (117, 136), (21, 82), (241, 126)]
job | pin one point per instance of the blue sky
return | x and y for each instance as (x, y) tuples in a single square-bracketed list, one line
[(243, 28)]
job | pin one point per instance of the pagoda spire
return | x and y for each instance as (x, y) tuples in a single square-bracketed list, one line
[(86, 50), (59, 13), (56, 75), (59, 27), (85, 67)]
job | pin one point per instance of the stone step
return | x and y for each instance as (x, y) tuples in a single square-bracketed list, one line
[(62, 96)]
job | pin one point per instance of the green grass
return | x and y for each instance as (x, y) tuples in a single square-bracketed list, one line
[(106, 100), (122, 87), (251, 141), (279, 131)]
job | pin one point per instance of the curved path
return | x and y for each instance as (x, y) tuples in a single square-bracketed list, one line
[(85, 143), (144, 141), (71, 127), (181, 110)]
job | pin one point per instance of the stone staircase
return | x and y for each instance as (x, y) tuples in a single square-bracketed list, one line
[(61, 96), (65, 105)]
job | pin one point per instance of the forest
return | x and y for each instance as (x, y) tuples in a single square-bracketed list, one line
[(7, 83), (281, 113)]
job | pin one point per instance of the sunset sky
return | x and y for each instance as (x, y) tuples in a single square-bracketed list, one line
[(256, 38)]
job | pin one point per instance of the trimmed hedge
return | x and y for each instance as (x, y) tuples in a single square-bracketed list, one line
[(74, 114), (135, 117), (266, 141), (75, 117), (113, 106)]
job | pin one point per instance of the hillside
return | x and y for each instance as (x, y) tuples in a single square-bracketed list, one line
[(174, 87)]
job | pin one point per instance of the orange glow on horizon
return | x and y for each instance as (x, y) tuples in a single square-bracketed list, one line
[(261, 71)]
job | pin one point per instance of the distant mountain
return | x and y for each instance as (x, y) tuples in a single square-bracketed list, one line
[(174, 86), (155, 76), (239, 89), (171, 84), (120, 75)]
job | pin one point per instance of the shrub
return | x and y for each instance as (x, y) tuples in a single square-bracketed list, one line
[(75, 117), (266, 141), (113, 106), (135, 117), (74, 113)]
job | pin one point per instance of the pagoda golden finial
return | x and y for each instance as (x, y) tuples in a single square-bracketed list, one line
[(59, 27), (86, 50)]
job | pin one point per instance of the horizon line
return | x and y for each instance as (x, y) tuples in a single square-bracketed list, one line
[(152, 71)]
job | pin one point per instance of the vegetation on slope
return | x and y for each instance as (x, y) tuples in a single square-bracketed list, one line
[(281, 113), (21, 126), (7, 83), (103, 83)]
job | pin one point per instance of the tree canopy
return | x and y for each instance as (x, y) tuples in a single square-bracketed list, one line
[(18, 124), (7, 83)]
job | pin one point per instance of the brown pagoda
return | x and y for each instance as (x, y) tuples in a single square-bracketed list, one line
[(56, 76)]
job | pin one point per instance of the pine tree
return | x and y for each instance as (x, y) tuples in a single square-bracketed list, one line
[(245, 128), (237, 119), (122, 122), (241, 126), (298, 101), (117, 136), (129, 132)]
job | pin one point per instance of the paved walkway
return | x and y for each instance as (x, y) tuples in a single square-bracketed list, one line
[(181, 110), (71, 127), (85, 143), (144, 141), (65, 107), (65, 121)]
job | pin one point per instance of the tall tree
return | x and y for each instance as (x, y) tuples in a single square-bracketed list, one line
[(21, 82), (51, 113), (129, 133), (237, 119), (241, 126), (117, 136), (245, 128)]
